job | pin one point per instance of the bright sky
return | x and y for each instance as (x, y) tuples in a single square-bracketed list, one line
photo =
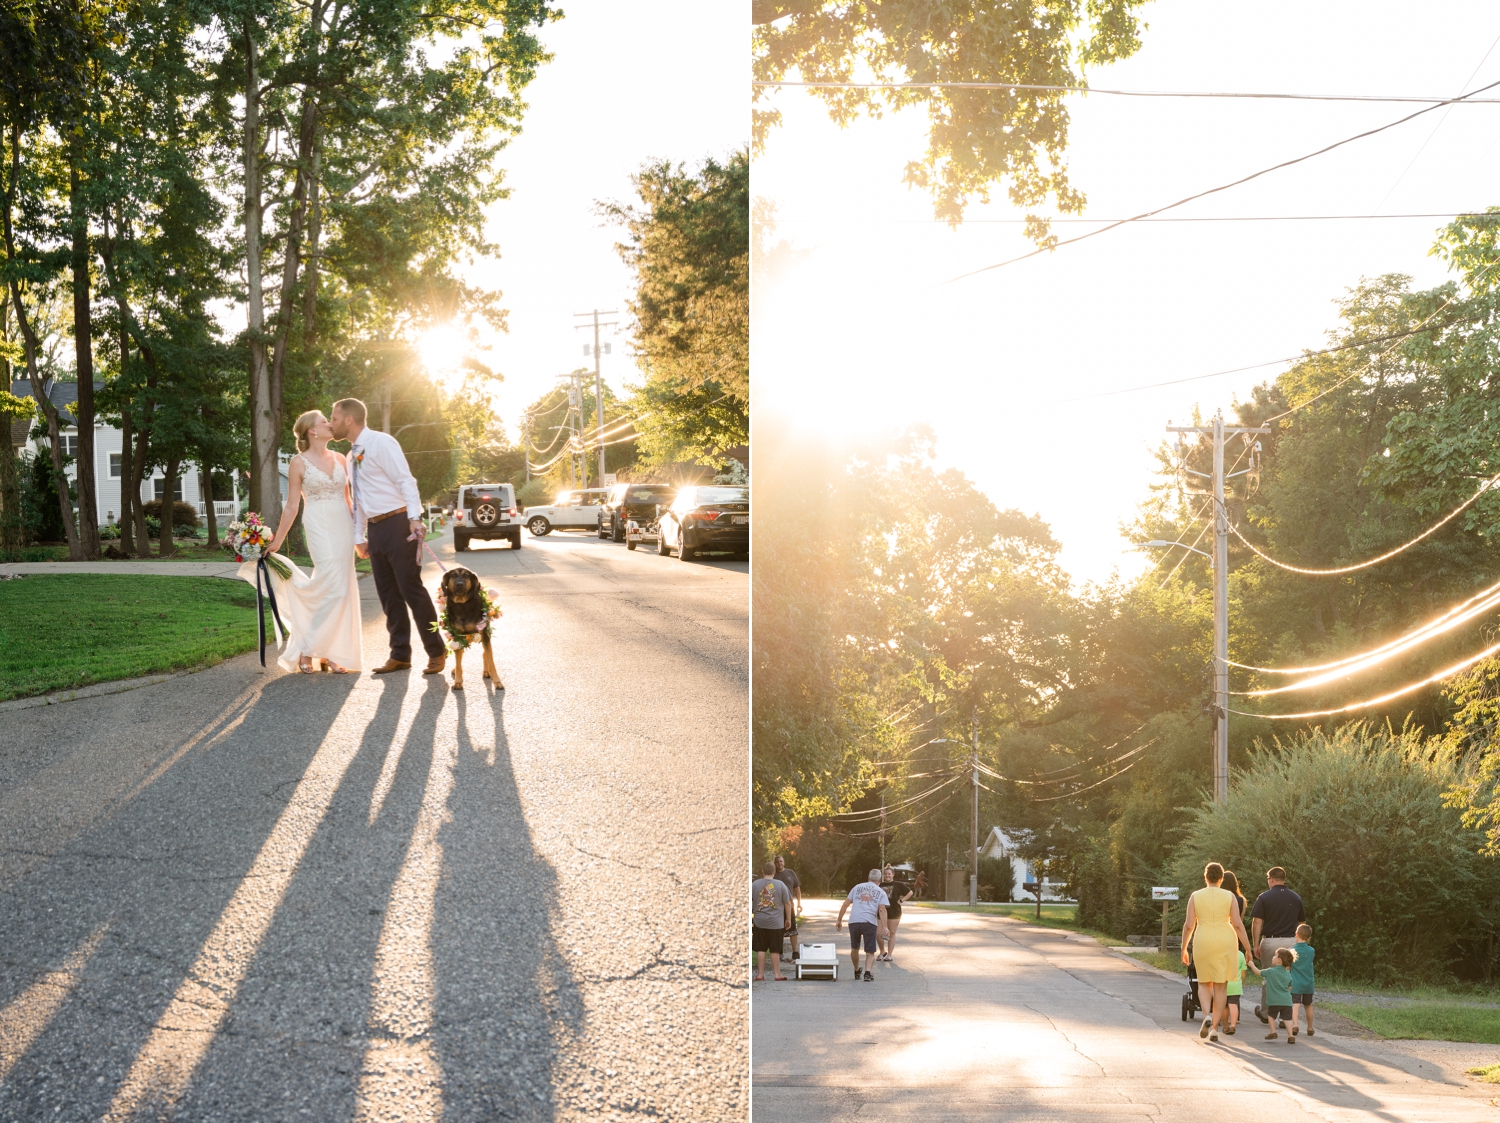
[(629, 83), (859, 333)]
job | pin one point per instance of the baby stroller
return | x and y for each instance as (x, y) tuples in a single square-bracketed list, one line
[(1190, 1003)]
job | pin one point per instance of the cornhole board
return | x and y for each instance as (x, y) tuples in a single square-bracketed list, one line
[(818, 961)]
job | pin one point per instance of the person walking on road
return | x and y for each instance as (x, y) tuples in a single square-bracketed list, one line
[(794, 887), (895, 893), (770, 914), (1214, 932), (1273, 924), (868, 902)]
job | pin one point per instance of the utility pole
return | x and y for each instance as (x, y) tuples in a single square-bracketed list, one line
[(526, 442), (974, 820), (574, 423), (1218, 431), (598, 382), (882, 830)]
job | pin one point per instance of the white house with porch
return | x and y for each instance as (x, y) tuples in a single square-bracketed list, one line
[(1001, 846), (108, 445)]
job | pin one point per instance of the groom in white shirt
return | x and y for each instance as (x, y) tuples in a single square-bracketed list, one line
[(388, 530)]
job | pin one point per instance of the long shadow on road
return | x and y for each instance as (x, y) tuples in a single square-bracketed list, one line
[(330, 909)]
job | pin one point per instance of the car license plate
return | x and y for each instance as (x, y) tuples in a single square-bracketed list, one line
[(740, 520)]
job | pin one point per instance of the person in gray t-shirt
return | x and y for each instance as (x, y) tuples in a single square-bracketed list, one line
[(770, 916)]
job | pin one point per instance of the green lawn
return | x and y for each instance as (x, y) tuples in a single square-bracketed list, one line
[(1433, 1021), (60, 631), (187, 550)]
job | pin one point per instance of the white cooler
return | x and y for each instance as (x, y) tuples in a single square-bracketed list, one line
[(818, 961)]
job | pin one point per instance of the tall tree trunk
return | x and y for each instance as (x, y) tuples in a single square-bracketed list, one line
[(265, 418), (314, 235), (206, 489), (137, 480), (83, 352), (129, 500), (166, 546)]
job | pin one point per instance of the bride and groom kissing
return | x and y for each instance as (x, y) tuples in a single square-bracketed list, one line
[(365, 504)]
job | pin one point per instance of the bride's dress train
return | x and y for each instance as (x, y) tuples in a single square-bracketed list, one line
[(320, 609)]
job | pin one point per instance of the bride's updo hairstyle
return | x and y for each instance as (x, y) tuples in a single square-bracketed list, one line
[(303, 425)]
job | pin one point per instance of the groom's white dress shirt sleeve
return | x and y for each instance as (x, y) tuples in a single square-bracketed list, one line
[(382, 480)]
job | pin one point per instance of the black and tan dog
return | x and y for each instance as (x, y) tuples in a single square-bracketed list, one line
[(466, 615)]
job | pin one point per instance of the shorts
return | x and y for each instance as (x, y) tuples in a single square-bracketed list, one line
[(865, 931), (1233, 1000), (1302, 999), (1279, 1013), (893, 912), (766, 939)]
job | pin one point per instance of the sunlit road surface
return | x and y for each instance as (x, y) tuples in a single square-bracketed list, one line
[(982, 1019), (245, 895)]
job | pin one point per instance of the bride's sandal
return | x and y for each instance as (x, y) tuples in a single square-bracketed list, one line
[(335, 669), (305, 667)]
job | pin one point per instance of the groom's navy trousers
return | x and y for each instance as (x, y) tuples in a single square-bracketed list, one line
[(398, 580)]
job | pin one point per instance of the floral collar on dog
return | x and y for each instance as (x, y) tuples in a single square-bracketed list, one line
[(455, 640)]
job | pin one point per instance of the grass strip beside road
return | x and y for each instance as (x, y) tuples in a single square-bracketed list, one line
[(1427, 1021), (63, 631), (1053, 916)]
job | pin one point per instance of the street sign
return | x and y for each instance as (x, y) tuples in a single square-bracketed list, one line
[(609, 479), (1164, 892)]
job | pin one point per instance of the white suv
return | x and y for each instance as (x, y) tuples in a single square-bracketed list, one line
[(486, 511), (571, 510)]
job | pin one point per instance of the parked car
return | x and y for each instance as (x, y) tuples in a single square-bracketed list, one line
[(571, 510), (706, 518), (486, 511), (632, 501)]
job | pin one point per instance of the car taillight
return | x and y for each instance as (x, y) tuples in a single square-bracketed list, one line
[(707, 516), (486, 497), (514, 512)]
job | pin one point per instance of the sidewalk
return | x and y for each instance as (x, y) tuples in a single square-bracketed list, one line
[(160, 568), (983, 1016)]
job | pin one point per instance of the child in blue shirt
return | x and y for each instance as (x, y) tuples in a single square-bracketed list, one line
[(1302, 977), (1278, 980)]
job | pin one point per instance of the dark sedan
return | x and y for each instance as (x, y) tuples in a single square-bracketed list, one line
[(632, 501), (706, 519)]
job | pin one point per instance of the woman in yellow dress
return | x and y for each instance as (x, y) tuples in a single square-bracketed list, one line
[(1214, 931)]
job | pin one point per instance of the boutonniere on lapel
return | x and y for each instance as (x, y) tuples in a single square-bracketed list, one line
[(359, 457)]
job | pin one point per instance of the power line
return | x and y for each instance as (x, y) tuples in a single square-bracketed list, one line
[(1369, 702), (1433, 102), (1433, 529), (927, 814), (1086, 221), (1461, 613), (1223, 187), (877, 812), (1091, 787)]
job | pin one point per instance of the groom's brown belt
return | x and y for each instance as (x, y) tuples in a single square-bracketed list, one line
[(387, 515)]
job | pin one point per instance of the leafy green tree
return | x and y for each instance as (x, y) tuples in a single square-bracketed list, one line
[(977, 138), (689, 244)]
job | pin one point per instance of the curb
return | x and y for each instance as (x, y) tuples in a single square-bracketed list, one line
[(96, 690)]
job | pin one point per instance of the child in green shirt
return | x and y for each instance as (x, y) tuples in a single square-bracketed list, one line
[(1302, 977), (1278, 981), (1232, 994)]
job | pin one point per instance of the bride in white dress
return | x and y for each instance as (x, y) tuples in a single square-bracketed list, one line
[(320, 609)]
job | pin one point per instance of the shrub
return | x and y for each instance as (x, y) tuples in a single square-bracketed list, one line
[(183, 514), (153, 527), (1394, 884), (109, 532), (537, 493)]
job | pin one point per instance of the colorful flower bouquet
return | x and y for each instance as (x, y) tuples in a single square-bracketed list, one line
[(460, 641), (250, 538)]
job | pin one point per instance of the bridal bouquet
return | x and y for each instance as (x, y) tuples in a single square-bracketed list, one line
[(460, 641), (250, 538)]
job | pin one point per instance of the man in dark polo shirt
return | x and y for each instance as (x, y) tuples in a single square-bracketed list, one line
[(1273, 924)]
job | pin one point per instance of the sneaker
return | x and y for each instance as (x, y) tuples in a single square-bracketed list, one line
[(1310, 1031), (1271, 1036), (1261, 1014), (1294, 1031), (869, 978), (795, 957), (1229, 1032), (1203, 1032), (1291, 1041)]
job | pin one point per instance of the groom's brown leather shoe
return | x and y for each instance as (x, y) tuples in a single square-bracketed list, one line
[(435, 665), (391, 665)]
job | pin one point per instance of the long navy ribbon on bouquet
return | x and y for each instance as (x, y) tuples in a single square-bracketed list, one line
[(260, 614)]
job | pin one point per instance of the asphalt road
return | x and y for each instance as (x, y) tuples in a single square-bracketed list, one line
[(984, 1018), (245, 895)]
